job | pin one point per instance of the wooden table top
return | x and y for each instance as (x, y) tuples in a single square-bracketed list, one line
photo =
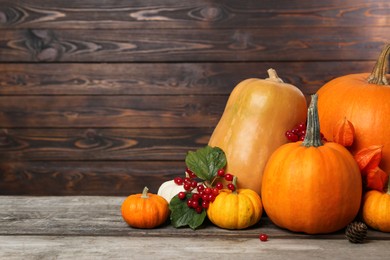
[(91, 227)]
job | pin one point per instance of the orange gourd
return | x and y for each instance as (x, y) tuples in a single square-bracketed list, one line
[(253, 124), (364, 100), (236, 209), (376, 209), (145, 210), (310, 186)]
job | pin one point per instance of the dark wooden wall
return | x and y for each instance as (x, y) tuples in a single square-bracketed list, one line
[(105, 97)]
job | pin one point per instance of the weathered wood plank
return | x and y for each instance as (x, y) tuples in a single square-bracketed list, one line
[(85, 177), (163, 78), (191, 14), (141, 248), (183, 45), (100, 144), (111, 111), (100, 216)]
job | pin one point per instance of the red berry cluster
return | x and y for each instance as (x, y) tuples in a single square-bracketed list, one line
[(298, 133), (201, 195)]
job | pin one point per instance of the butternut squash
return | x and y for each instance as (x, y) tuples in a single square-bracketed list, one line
[(253, 125)]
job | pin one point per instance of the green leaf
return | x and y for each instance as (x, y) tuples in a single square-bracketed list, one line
[(182, 215), (205, 162)]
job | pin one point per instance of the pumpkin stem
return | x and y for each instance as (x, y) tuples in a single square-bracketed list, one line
[(273, 76), (145, 193), (313, 133), (388, 186), (378, 74), (234, 182)]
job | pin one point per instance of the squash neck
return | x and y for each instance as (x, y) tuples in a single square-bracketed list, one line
[(273, 76), (313, 133), (378, 74)]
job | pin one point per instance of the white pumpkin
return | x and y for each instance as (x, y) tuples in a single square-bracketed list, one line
[(169, 189)]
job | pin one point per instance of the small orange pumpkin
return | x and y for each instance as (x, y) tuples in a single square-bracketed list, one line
[(376, 209), (364, 100), (145, 210), (309, 186)]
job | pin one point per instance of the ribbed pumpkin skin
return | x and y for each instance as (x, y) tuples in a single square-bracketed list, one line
[(253, 125), (235, 210), (365, 105), (145, 212), (376, 210), (311, 189)]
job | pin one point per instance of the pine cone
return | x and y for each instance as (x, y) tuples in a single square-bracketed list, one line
[(356, 232)]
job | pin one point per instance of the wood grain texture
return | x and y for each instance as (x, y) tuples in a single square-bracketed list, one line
[(111, 111), (163, 78), (191, 14), (101, 216), (141, 248), (91, 227), (85, 177), (183, 45), (119, 144)]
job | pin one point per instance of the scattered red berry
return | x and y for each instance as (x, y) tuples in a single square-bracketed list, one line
[(298, 133), (211, 198), (221, 173), (200, 188), (194, 203), (228, 177), (231, 187), (263, 237), (208, 190), (195, 196), (219, 186), (181, 195), (178, 180), (187, 186), (194, 184), (199, 209), (190, 173)]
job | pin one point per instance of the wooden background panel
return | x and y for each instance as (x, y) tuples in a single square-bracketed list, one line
[(163, 78), (183, 45), (103, 98), (111, 111), (191, 14), (85, 177), (120, 144)]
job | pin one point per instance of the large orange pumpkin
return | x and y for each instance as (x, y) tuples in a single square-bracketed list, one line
[(364, 100), (312, 187), (256, 117)]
